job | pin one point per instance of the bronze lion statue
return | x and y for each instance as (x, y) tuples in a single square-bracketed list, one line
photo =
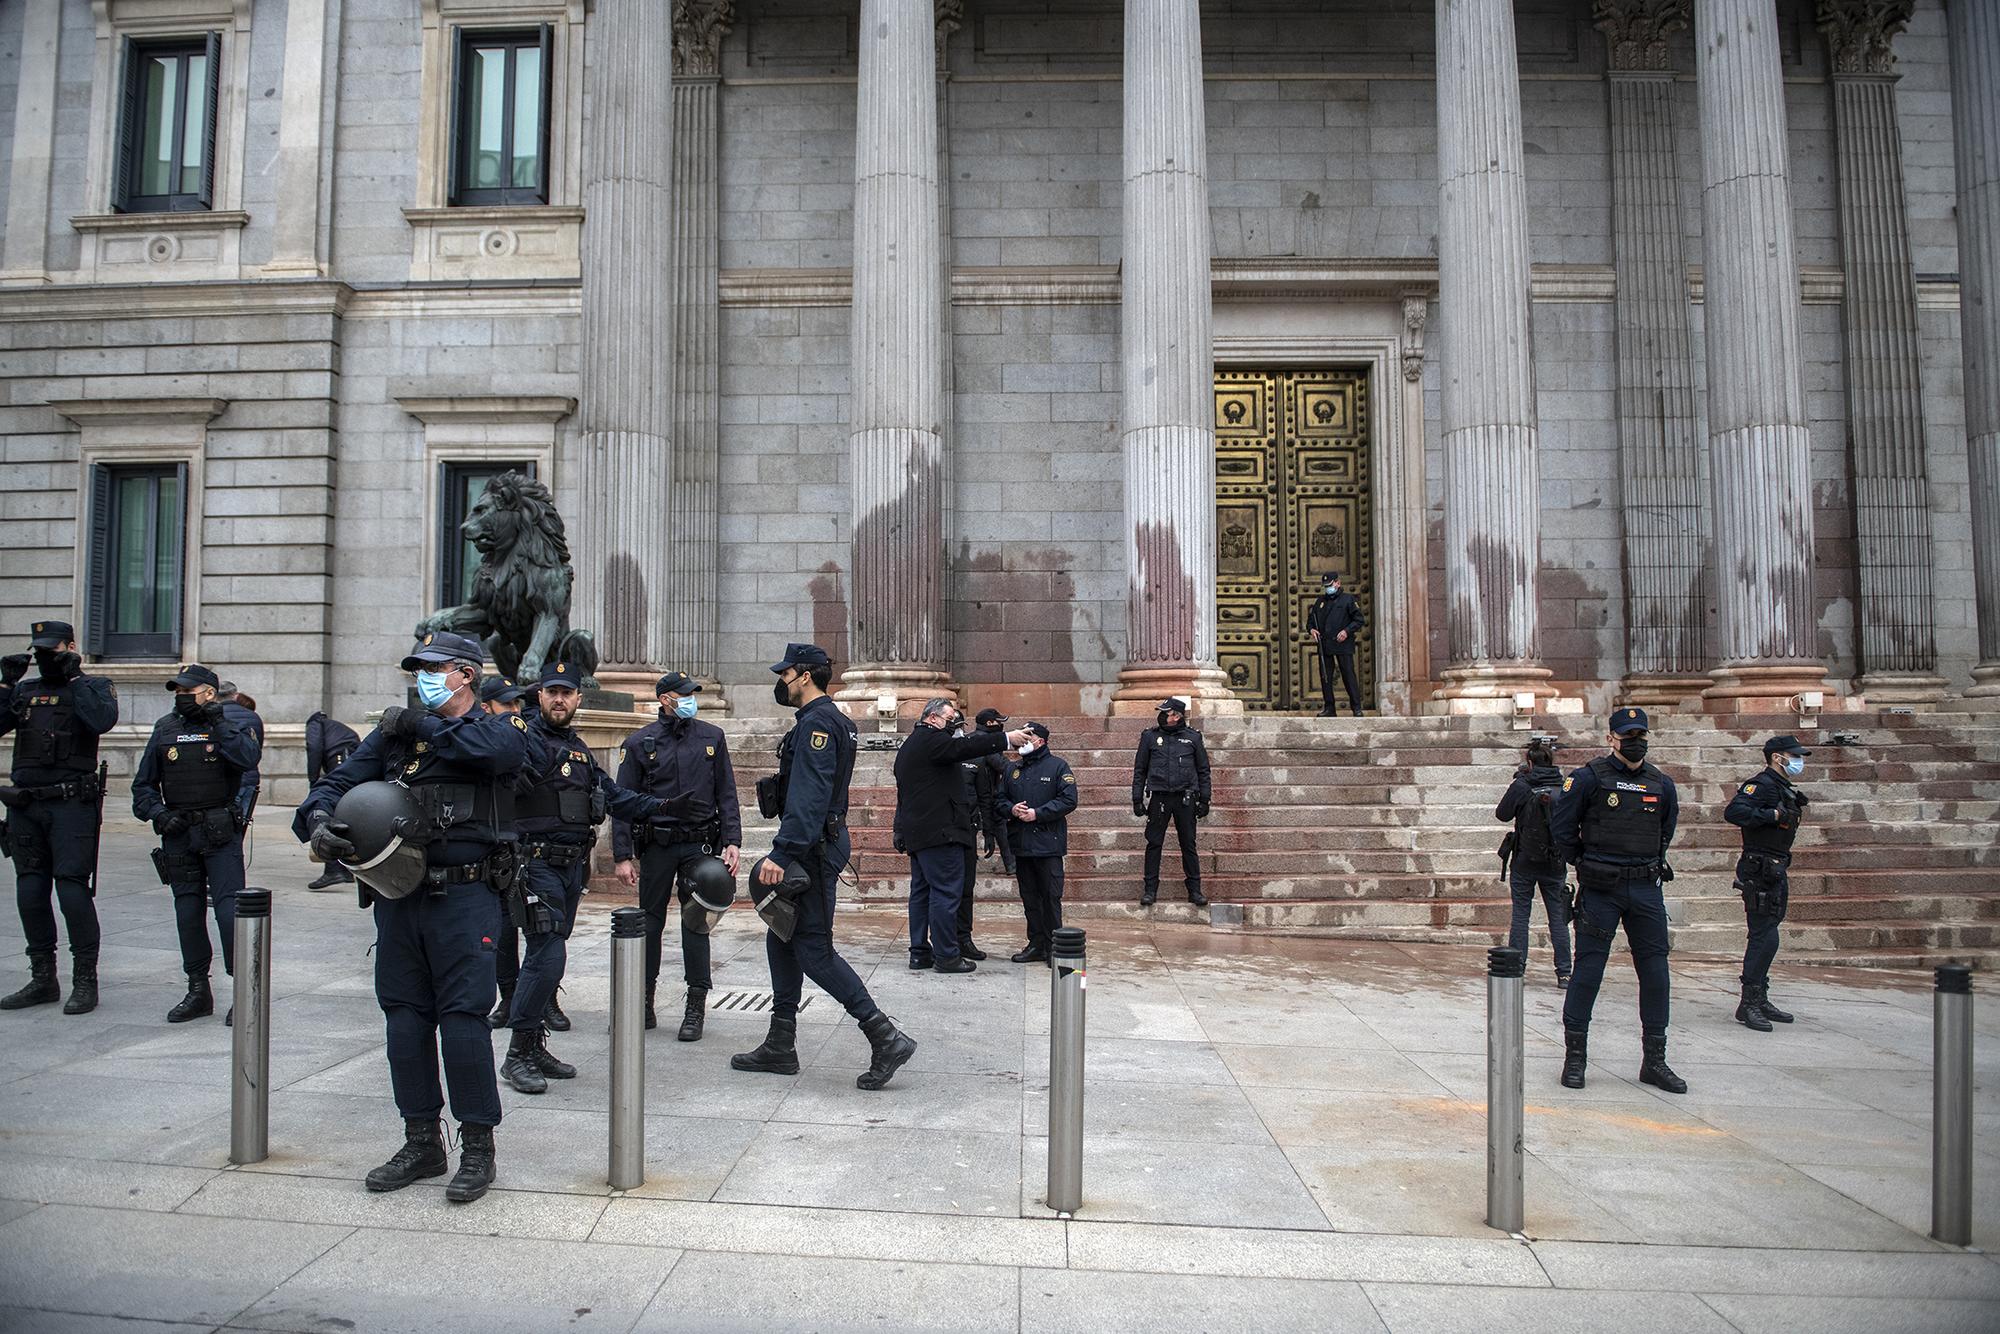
[(520, 597)]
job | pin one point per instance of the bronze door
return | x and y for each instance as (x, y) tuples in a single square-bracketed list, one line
[(1291, 502)]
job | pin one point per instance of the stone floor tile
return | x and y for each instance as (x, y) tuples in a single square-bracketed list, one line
[(1274, 1253), (862, 1234), (1090, 1302), (47, 1179), (1368, 1070), (1716, 1269), (759, 1293), (878, 1167), (1440, 1194), (1132, 1180), (1411, 1309), (1856, 1315), (506, 1211), (1205, 1114)]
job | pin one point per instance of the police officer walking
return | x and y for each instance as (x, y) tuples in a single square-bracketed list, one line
[(1614, 822), (815, 765), (190, 785), (1528, 855), (54, 805), (1767, 808), (685, 763), (561, 797), (328, 744), (1335, 623), (1170, 783), (434, 944), (1035, 800)]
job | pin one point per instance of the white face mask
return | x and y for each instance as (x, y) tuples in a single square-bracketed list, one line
[(1025, 748)]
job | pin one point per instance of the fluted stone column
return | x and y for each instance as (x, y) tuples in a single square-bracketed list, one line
[(24, 244), (1885, 400), (1167, 356), (689, 604), (295, 246), (1975, 118), (1659, 428), (624, 569), (1760, 449), (1492, 497), (896, 448)]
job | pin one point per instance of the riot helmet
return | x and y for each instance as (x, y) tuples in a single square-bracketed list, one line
[(389, 831), (778, 904), (706, 889)]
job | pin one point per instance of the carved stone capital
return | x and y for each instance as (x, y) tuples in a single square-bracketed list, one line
[(1636, 31), (699, 27), (1859, 33), (1416, 314), (950, 18)]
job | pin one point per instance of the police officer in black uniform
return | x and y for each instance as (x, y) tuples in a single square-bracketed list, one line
[(1170, 782), (328, 744), (992, 720), (988, 833), (502, 695), (1035, 801), (815, 764), (1335, 623), (1614, 822), (434, 947), (1767, 808), (54, 805), (562, 796), (190, 787), (684, 762)]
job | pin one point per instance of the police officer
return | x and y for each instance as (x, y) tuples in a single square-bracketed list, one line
[(976, 788), (562, 796), (1767, 808), (1614, 822), (54, 805), (685, 763), (190, 785), (1335, 623), (1035, 800), (1170, 782), (1528, 856), (328, 744), (992, 720), (815, 764), (434, 947), (502, 695)]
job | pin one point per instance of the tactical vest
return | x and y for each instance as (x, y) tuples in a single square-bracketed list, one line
[(1172, 768), (846, 746), (687, 792), (1624, 816), (193, 774), (47, 736), (476, 810), (564, 799), (1771, 838)]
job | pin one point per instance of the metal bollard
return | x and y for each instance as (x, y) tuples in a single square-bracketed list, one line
[(628, 1048), (1951, 1106), (1066, 984), (1504, 1157), (250, 1036)]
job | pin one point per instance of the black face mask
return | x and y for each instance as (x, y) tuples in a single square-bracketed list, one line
[(184, 704), (1633, 748), (781, 693)]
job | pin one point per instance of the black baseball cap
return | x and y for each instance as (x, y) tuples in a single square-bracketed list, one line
[(568, 674), (803, 655), (1039, 729), (1330, 577), (192, 675), (677, 683), (1784, 745), (1172, 704), (990, 717), (50, 634), (444, 646), (500, 690), (1628, 719)]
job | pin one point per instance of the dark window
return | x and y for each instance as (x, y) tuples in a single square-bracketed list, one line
[(166, 138), (500, 117), (137, 535), (462, 485)]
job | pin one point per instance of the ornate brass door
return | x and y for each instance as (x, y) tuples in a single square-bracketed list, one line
[(1291, 502)]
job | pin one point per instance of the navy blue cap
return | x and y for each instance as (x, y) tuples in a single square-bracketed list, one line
[(1039, 729), (991, 718), (444, 646), (564, 673), (803, 655), (192, 675), (1330, 577), (500, 690), (51, 634), (1628, 719), (1785, 745), (677, 683)]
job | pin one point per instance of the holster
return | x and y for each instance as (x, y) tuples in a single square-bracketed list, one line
[(503, 868), (6, 848), (179, 868), (1506, 855), (770, 797), (218, 828)]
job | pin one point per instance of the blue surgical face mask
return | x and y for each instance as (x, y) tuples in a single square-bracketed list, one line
[(433, 689), (1795, 765), (686, 707)]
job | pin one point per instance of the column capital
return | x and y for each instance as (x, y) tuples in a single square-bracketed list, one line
[(950, 18), (699, 27), (1858, 33), (1636, 31)]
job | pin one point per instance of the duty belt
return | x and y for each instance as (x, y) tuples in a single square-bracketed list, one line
[(1648, 871), (459, 875), (73, 789), (555, 854)]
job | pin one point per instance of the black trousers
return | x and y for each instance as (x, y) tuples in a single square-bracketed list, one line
[(1330, 661), (810, 952), (659, 873), (207, 872), (965, 899), (55, 847), (1041, 882), (434, 982), (1179, 808)]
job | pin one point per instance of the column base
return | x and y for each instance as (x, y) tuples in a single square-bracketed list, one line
[(636, 682), (1486, 689), (889, 691), (1143, 685), (1663, 690), (1985, 684), (1919, 688), (1771, 688)]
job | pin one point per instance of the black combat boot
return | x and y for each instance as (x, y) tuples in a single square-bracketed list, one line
[(1196, 897), (779, 1053), (422, 1155), (548, 1062), (1771, 1012), (42, 988), (520, 1068), (1148, 896), (504, 1010), (1655, 1070), (890, 1047), (1749, 1013), (553, 1018), (199, 1001), (652, 1017), (691, 1021), (1576, 1056), (82, 984), (475, 1164)]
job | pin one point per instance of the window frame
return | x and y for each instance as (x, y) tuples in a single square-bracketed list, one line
[(125, 194), (451, 572), (539, 36), (100, 639)]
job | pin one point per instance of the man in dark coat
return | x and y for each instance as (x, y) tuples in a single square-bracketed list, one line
[(1170, 783), (1335, 623), (1035, 799)]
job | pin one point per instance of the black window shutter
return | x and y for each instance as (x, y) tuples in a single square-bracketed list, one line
[(129, 131), (181, 540), (213, 103), (97, 574), (454, 179), (548, 80)]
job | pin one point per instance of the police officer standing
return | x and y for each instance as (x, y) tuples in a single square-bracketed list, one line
[(562, 796), (1614, 822), (328, 744), (1528, 856), (1335, 623), (815, 764), (502, 695), (190, 786), (992, 720), (434, 946), (685, 763), (988, 831), (1035, 800), (54, 805), (1170, 783), (1767, 808)]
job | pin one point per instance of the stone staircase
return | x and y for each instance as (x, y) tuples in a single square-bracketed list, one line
[(1383, 828)]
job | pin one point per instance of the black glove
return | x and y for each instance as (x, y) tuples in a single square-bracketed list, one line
[(399, 721), (171, 822), (213, 711), (986, 844), (1802, 800), (329, 838), (1139, 807), (1201, 808), (61, 667), (13, 667), (11, 797)]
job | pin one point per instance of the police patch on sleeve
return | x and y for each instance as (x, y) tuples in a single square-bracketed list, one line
[(819, 740), (516, 719), (1569, 783), (1750, 789), (1069, 778)]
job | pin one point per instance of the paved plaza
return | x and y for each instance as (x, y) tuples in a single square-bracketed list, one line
[(1281, 1134)]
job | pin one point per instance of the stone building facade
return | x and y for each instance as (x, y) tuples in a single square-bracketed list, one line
[(1626, 349)]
